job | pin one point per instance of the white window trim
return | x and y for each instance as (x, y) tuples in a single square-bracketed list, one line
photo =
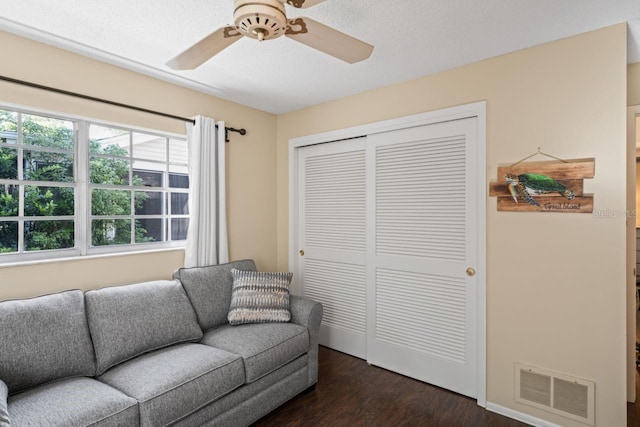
[(83, 250)]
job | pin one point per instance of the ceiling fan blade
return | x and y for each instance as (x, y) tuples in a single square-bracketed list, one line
[(303, 4), (206, 48), (328, 40)]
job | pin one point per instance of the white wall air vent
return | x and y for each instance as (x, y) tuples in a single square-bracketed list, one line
[(558, 393)]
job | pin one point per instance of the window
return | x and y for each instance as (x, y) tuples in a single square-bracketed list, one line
[(139, 187), (74, 187)]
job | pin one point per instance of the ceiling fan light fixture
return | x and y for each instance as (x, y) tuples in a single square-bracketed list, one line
[(261, 20), (266, 20)]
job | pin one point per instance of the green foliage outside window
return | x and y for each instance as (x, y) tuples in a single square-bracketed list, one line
[(42, 201)]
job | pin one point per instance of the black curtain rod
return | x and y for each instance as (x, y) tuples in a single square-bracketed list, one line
[(117, 104)]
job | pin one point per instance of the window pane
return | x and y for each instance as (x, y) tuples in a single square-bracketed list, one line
[(178, 169), (8, 163), (148, 178), (104, 140), (48, 201), (148, 230), (44, 166), (47, 132), (8, 127), (177, 180), (8, 236), (179, 203), (9, 199), (149, 147), (178, 151), (105, 232), (179, 228), (47, 235), (149, 202), (109, 171), (110, 202)]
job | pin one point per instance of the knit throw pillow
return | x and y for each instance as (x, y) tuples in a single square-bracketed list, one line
[(4, 411), (259, 297)]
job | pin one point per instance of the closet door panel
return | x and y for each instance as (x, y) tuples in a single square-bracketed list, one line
[(333, 237), (421, 303)]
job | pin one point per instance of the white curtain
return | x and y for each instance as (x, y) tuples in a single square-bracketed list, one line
[(207, 235)]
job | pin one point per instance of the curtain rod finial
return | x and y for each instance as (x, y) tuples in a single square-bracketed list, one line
[(229, 129)]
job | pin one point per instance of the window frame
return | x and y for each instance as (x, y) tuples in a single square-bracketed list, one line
[(82, 199)]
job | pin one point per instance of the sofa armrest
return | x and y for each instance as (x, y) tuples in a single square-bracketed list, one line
[(308, 313), (4, 406)]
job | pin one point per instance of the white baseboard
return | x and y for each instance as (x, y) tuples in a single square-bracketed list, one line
[(519, 416)]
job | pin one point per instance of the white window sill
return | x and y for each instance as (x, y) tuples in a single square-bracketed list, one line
[(88, 257)]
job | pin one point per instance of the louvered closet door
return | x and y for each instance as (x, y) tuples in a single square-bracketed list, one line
[(332, 221), (422, 227)]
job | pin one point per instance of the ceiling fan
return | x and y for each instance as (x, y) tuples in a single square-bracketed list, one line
[(266, 20)]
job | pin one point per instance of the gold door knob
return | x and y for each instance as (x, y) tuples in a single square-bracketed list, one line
[(301, 252), (471, 272)]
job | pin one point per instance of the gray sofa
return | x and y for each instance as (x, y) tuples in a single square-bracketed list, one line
[(151, 354)]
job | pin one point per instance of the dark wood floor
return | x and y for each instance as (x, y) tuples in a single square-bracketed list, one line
[(352, 393), (633, 409)]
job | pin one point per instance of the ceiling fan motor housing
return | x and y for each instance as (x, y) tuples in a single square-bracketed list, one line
[(260, 19)]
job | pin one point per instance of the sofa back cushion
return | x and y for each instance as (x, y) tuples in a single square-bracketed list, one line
[(209, 289), (44, 339), (126, 321)]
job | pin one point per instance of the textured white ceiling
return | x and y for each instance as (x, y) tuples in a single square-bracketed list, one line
[(412, 38)]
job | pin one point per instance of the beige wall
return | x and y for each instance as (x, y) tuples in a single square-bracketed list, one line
[(633, 88), (633, 100), (251, 179), (34, 279), (633, 186), (555, 282), (637, 185)]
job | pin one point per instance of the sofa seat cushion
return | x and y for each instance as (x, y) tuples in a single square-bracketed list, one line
[(264, 347), (74, 402), (44, 339), (175, 381)]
